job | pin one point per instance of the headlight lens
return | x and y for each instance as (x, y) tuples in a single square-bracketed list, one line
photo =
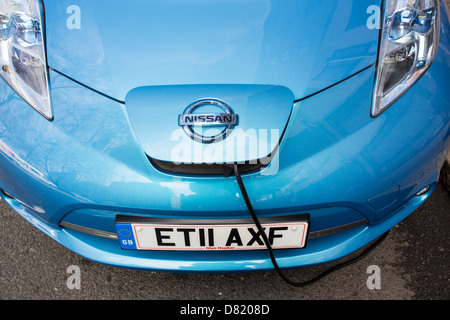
[(408, 46), (23, 62)]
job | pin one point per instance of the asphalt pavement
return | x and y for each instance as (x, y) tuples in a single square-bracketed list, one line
[(411, 264)]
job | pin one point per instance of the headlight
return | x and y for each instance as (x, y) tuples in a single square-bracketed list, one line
[(408, 45), (23, 63)]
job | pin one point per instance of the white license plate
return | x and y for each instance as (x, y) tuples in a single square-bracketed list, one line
[(148, 236)]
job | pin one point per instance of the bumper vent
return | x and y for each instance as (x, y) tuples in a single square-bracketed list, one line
[(201, 169)]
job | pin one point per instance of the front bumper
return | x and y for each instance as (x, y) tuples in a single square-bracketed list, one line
[(335, 162), (319, 250)]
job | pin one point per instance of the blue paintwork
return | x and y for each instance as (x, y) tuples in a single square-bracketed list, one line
[(278, 42), (87, 165)]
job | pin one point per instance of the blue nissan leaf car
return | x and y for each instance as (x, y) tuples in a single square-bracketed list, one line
[(221, 135)]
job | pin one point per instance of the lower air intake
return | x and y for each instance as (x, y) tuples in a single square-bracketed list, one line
[(201, 169)]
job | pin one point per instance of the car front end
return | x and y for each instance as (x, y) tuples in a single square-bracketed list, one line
[(340, 128)]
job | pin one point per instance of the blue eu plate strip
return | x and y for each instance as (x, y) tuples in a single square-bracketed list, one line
[(126, 236)]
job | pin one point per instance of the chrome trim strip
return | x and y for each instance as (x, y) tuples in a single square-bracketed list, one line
[(312, 235), (94, 232), (345, 227)]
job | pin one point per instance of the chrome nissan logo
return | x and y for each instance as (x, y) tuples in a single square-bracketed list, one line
[(226, 118)]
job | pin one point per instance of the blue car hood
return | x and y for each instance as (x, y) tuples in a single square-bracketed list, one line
[(116, 46)]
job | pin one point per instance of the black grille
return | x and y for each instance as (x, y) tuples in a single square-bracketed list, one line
[(201, 169)]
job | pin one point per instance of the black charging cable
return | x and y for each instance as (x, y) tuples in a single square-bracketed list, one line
[(228, 169)]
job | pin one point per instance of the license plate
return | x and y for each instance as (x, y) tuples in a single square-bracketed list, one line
[(236, 235)]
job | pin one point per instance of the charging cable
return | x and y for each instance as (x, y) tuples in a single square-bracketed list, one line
[(235, 168)]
